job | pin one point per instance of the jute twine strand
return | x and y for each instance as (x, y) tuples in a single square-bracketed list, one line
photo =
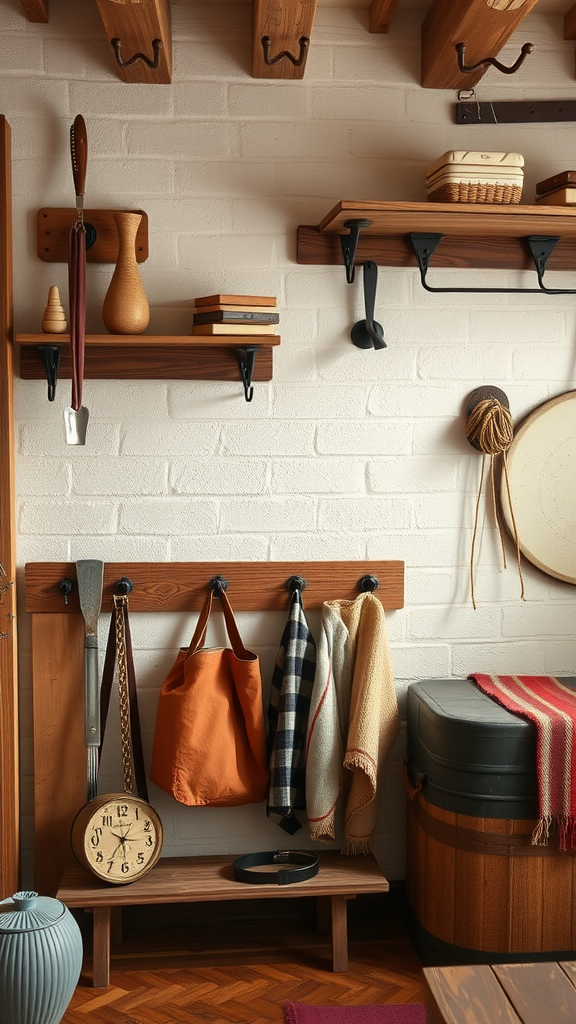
[(489, 427)]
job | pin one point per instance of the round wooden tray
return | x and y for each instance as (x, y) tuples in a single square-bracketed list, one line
[(542, 474)]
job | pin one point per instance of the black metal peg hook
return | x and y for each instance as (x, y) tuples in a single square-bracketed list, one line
[(51, 359), (368, 583), (296, 583), (246, 363), (156, 47), (66, 586), (467, 69), (124, 586), (217, 585)]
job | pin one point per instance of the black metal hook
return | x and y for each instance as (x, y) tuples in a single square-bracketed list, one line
[(368, 583), (296, 583), (124, 586), (218, 584), (298, 61), (467, 69), (246, 362), (156, 47), (66, 586), (349, 245), (51, 359)]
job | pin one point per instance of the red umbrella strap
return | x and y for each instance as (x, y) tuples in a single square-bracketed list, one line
[(77, 301)]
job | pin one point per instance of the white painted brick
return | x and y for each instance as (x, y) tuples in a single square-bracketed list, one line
[(413, 474), (95, 97), (168, 516), (183, 139), (498, 658), (218, 476), (265, 515), (419, 662), (559, 657), (353, 103), (363, 513), (228, 251), (376, 63), (245, 547), (430, 549), (349, 363), (555, 363), (268, 101), (206, 400), (34, 548), (541, 327), (170, 439), (230, 178), (342, 176), (49, 440), (124, 401), (287, 369), (118, 548), (292, 141), (132, 179), (64, 58), (468, 363), (314, 548), (120, 476), (67, 518), (317, 476), (200, 99), (318, 401), (37, 478), (23, 55), (432, 510), (453, 623), (268, 438), (211, 60), (538, 620), (364, 437)]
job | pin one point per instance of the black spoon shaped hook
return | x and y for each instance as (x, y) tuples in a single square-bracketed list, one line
[(369, 333)]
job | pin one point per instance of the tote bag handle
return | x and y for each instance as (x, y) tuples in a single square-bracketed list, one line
[(199, 637)]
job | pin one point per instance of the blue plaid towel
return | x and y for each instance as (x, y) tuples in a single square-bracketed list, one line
[(292, 682)]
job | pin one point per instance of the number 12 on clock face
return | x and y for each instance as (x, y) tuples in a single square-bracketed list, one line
[(117, 837)]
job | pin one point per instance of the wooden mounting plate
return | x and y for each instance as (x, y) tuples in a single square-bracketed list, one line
[(54, 225)]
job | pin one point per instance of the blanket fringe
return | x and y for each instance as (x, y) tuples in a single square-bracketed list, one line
[(541, 834), (357, 847), (565, 827)]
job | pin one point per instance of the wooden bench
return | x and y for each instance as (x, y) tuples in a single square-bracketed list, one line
[(206, 879), (529, 993)]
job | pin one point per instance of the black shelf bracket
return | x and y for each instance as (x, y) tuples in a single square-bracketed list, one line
[(541, 247), (246, 362), (349, 244), (51, 359)]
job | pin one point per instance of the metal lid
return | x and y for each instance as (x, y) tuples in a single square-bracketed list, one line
[(28, 912)]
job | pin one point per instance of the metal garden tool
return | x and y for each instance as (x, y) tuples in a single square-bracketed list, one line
[(76, 414), (90, 576)]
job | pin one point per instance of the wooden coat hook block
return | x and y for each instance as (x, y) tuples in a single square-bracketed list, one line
[(54, 225)]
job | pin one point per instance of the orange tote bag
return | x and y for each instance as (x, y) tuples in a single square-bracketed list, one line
[(210, 741)]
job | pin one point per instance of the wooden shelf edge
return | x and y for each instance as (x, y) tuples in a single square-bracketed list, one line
[(150, 341), (504, 219)]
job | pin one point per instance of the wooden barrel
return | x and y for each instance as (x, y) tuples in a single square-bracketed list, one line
[(478, 885)]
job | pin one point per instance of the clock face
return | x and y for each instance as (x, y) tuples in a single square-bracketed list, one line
[(120, 840)]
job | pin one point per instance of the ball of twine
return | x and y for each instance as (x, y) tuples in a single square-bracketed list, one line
[(490, 429)]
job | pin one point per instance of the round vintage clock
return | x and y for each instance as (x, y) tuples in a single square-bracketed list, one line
[(117, 837)]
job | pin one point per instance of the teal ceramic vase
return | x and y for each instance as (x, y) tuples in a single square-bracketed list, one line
[(40, 959)]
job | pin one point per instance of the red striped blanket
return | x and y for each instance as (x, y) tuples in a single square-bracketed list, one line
[(552, 708)]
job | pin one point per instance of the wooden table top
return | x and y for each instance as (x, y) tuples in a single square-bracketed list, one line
[(537, 993)]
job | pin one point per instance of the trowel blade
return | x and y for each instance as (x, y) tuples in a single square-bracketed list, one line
[(76, 422)]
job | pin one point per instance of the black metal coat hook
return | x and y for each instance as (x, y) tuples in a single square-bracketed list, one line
[(349, 245), (66, 586), (124, 586), (368, 583), (156, 47), (296, 583), (218, 584), (298, 61), (246, 363), (51, 359), (467, 69), (369, 333)]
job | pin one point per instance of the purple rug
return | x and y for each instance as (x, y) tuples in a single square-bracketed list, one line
[(377, 1013)]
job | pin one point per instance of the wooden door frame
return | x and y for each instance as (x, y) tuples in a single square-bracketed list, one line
[(9, 747)]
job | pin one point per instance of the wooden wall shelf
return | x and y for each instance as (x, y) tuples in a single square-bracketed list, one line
[(474, 235), (151, 357)]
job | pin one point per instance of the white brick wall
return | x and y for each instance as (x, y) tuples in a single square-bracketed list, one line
[(346, 454)]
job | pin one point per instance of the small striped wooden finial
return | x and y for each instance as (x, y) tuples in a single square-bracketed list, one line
[(54, 319)]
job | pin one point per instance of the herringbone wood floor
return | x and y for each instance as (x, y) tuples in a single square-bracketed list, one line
[(211, 964)]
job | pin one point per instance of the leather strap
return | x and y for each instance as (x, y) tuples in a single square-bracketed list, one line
[(308, 861), (121, 608), (199, 637)]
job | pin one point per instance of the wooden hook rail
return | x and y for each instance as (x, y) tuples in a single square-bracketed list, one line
[(182, 586)]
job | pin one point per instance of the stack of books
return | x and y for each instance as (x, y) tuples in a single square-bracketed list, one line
[(559, 190), (235, 314)]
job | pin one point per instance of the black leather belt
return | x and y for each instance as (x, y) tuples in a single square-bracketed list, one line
[(309, 867)]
